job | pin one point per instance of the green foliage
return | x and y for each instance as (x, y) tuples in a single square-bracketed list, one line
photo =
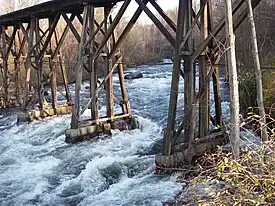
[(248, 89), (269, 88)]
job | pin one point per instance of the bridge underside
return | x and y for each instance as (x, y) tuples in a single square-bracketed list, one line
[(26, 44)]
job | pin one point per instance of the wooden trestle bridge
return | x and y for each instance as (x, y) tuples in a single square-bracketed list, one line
[(27, 42)]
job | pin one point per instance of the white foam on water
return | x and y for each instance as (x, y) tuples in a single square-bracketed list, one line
[(34, 154), (146, 190)]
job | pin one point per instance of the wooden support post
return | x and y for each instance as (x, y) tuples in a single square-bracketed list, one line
[(75, 113), (5, 66), (258, 74), (61, 65), (19, 81), (65, 81), (215, 59), (17, 69), (217, 93), (195, 21), (52, 65), (108, 67), (125, 101), (30, 37), (38, 65), (189, 89), (93, 73), (233, 80), (109, 89), (168, 135), (204, 103)]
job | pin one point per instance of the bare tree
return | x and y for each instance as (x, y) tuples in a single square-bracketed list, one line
[(12, 5), (258, 73), (233, 78)]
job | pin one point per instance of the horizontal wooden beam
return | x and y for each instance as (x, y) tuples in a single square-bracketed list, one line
[(50, 8)]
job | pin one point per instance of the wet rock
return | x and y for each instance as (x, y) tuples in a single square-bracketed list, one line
[(134, 123), (120, 125), (46, 93), (133, 75)]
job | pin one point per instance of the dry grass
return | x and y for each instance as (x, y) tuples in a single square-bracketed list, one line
[(222, 180)]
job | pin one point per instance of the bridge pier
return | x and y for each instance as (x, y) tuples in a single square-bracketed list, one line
[(28, 43), (183, 144), (108, 51)]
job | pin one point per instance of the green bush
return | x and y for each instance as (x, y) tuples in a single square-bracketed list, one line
[(248, 89)]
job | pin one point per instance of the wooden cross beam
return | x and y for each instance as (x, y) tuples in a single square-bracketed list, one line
[(52, 28), (30, 37), (160, 26), (101, 85), (76, 114), (127, 29), (167, 144), (192, 26), (239, 14), (71, 26), (12, 38), (112, 26), (163, 15), (99, 28), (62, 38)]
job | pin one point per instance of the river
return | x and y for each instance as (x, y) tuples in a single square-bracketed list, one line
[(39, 168)]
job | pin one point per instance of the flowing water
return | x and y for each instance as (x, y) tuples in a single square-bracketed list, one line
[(39, 168)]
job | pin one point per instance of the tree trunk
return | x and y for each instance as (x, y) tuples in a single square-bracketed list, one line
[(258, 74), (233, 80)]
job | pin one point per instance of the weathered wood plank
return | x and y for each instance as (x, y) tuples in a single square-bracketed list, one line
[(75, 114), (168, 135), (203, 71), (30, 36)]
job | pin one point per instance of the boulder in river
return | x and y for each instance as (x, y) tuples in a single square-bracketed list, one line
[(46, 93), (133, 75)]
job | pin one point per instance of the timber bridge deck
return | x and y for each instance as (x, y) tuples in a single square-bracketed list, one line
[(26, 42)]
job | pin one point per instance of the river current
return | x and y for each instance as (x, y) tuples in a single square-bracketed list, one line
[(39, 168)]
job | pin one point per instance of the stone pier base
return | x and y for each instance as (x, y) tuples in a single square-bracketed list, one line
[(90, 129), (37, 114), (183, 154)]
